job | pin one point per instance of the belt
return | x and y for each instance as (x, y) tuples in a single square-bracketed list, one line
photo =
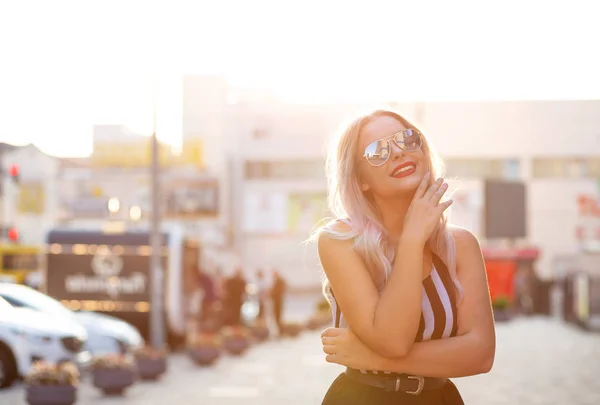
[(408, 384)]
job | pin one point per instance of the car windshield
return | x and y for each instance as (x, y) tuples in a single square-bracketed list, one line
[(5, 306), (33, 299)]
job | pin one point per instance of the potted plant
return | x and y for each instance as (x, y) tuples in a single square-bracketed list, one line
[(260, 330), (113, 373), (150, 363), (205, 348), (318, 320), (321, 316), (52, 384), (236, 339), (501, 306), (291, 329)]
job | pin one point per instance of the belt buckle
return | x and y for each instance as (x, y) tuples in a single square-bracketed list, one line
[(419, 389)]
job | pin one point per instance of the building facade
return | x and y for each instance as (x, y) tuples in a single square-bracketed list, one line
[(250, 180), (277, 188), (30, 203)]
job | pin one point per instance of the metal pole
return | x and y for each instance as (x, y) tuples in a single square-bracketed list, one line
[(157, 330)]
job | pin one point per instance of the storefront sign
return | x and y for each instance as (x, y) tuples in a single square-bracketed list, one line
[(103, 276), (107, 278)]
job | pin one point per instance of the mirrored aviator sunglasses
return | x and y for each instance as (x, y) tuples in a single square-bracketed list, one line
[(378, 152)]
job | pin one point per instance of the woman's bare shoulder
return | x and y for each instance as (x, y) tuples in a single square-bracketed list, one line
[(468, 251), (337, 234), (463, 238)]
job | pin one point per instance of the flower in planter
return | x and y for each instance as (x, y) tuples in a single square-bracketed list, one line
[(236, 339), (323, 306), (42, 373), (112, 361), (113, 373), (500, 303), (149, 352), (237, 331), (52, 384), (204, 339), (260, 330), (150, 362), (318, 320), (501, 308)]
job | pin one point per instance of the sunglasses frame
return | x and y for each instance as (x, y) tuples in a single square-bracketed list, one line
[(401, 146)]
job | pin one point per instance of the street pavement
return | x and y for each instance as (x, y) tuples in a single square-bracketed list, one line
[(538, 361)]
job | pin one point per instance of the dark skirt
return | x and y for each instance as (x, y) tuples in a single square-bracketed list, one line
[(345, 391)]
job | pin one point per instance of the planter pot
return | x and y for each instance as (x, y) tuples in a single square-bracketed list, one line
[(292, 330), (501, 315), (204, 356), (113, 381), (151, 369), (51, 394), (236, 345), (317, 322), (260, 333)]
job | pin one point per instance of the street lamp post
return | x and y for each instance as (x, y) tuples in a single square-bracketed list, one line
[(157, 330)]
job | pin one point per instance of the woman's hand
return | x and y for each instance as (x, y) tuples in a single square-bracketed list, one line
[(425, 210), (343, 347)]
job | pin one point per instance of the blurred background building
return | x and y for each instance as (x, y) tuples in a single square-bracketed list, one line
[(249, 180)]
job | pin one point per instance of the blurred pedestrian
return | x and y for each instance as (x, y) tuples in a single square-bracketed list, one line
[(278, 291), (262, 293), (208, 315), (235, 292)]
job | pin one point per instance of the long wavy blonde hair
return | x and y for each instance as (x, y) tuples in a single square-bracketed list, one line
[(350, 205)]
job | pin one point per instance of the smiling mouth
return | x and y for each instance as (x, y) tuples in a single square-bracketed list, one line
[(404, 170)]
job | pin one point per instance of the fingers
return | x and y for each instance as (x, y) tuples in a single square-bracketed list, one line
[(328, 340), (423, 186), (329, 349), (331, 332), (333, 358), (433, 189), (437, 196), (443, 206)]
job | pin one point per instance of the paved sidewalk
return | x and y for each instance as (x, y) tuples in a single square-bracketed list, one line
[(539, 361)]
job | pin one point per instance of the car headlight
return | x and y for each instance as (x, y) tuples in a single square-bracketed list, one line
[(38, 339), (18, 332)]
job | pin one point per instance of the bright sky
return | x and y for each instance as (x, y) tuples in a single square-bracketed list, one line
[(66, 65)]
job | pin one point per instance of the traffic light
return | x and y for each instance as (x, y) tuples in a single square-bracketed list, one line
[(13, 172), (13, 234)]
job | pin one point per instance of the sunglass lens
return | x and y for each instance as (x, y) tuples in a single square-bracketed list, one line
[(408, 139), (378, 152)]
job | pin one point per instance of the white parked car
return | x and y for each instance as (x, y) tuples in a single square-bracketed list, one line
[(15, 358), (106, 334), (38, 337)]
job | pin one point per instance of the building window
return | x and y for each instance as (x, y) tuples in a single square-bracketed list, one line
[(483, 168), (256, 170), (569, 167)]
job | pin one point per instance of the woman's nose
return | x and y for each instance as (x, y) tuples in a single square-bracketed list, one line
[(396, 153)]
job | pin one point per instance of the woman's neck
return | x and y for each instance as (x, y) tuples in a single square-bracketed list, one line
[(392, 214)]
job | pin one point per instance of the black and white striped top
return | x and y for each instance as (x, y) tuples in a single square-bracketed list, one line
[(438, 309)]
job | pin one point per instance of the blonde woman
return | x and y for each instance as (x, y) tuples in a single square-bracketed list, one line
[(409, 293)]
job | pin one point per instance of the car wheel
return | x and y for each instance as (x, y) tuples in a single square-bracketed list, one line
[(8, 367)]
